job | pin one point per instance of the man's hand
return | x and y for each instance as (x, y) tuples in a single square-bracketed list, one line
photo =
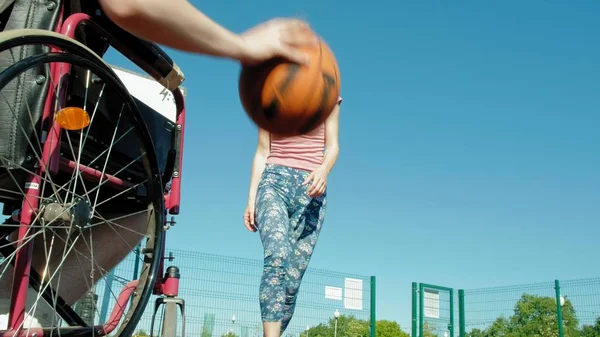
[(319, 182), (249, 217), (277, 38)]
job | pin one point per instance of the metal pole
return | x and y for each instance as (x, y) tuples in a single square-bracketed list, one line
[(415, 291), (136, 265), (559, 317), (106, 297), (421, 310), (335, 328), (373, 324), (461, 314), (451, 325)]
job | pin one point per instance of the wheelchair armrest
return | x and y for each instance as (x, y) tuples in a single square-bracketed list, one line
[(146, 55)]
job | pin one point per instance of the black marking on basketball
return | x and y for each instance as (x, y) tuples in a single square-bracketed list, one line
[(329, 83), (271, 111), (293, 69)]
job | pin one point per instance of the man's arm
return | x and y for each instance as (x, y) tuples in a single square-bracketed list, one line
[(176, 24)]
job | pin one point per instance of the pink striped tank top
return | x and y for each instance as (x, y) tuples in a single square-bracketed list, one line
[(304, 152)]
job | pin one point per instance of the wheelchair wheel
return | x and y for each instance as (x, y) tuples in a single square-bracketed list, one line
[(83, 196)]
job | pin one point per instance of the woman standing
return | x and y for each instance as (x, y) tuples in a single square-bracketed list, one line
[(286, 204)]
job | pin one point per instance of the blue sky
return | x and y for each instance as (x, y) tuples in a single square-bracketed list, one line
[(469, 143)]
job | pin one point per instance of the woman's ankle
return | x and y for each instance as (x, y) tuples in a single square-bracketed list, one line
[(272, 329)]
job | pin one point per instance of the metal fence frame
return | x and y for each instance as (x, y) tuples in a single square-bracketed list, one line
[(590, 302), (224, 285)]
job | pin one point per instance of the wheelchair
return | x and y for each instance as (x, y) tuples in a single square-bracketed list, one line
[(87, 171)]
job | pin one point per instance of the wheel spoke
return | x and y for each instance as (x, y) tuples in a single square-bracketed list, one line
[(80, 212)]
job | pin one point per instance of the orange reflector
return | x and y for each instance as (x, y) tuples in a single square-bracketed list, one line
[(72, 118)]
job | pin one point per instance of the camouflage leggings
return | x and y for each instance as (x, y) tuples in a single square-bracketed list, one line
[(289, 222)]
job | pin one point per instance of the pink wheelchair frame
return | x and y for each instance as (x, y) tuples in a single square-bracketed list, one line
[(53, 163)]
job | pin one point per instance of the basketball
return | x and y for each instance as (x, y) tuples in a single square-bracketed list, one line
[(289, 99)]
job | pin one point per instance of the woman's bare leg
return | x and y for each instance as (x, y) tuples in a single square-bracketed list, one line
[(95, 252)]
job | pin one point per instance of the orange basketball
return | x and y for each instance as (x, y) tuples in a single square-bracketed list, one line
[(289, 99)]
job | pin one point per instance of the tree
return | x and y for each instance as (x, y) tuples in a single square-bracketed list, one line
[(388, 329), (591, 330), (229, 334), (428, 331), (533, 316), (346, 325), (342, 324), (476, 333), (320, 330), (536, 316), (499, 328), (357, 328), (206, 332), (350, 326)]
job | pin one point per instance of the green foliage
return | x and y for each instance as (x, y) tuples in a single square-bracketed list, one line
[(428, 330), (229, 334), (321, 330), (500, 326), (206, 332), (357, 328), (536, 316), (342, 324), (350, 326), (476, 333), (591, 330), (141, 333), (388, 329)]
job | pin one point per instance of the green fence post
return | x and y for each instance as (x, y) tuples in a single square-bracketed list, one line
[(136, 266), (559, 317), (373, 308), (105, 296), (415, 290), (451, 325), (421, 310), (461, 313)]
